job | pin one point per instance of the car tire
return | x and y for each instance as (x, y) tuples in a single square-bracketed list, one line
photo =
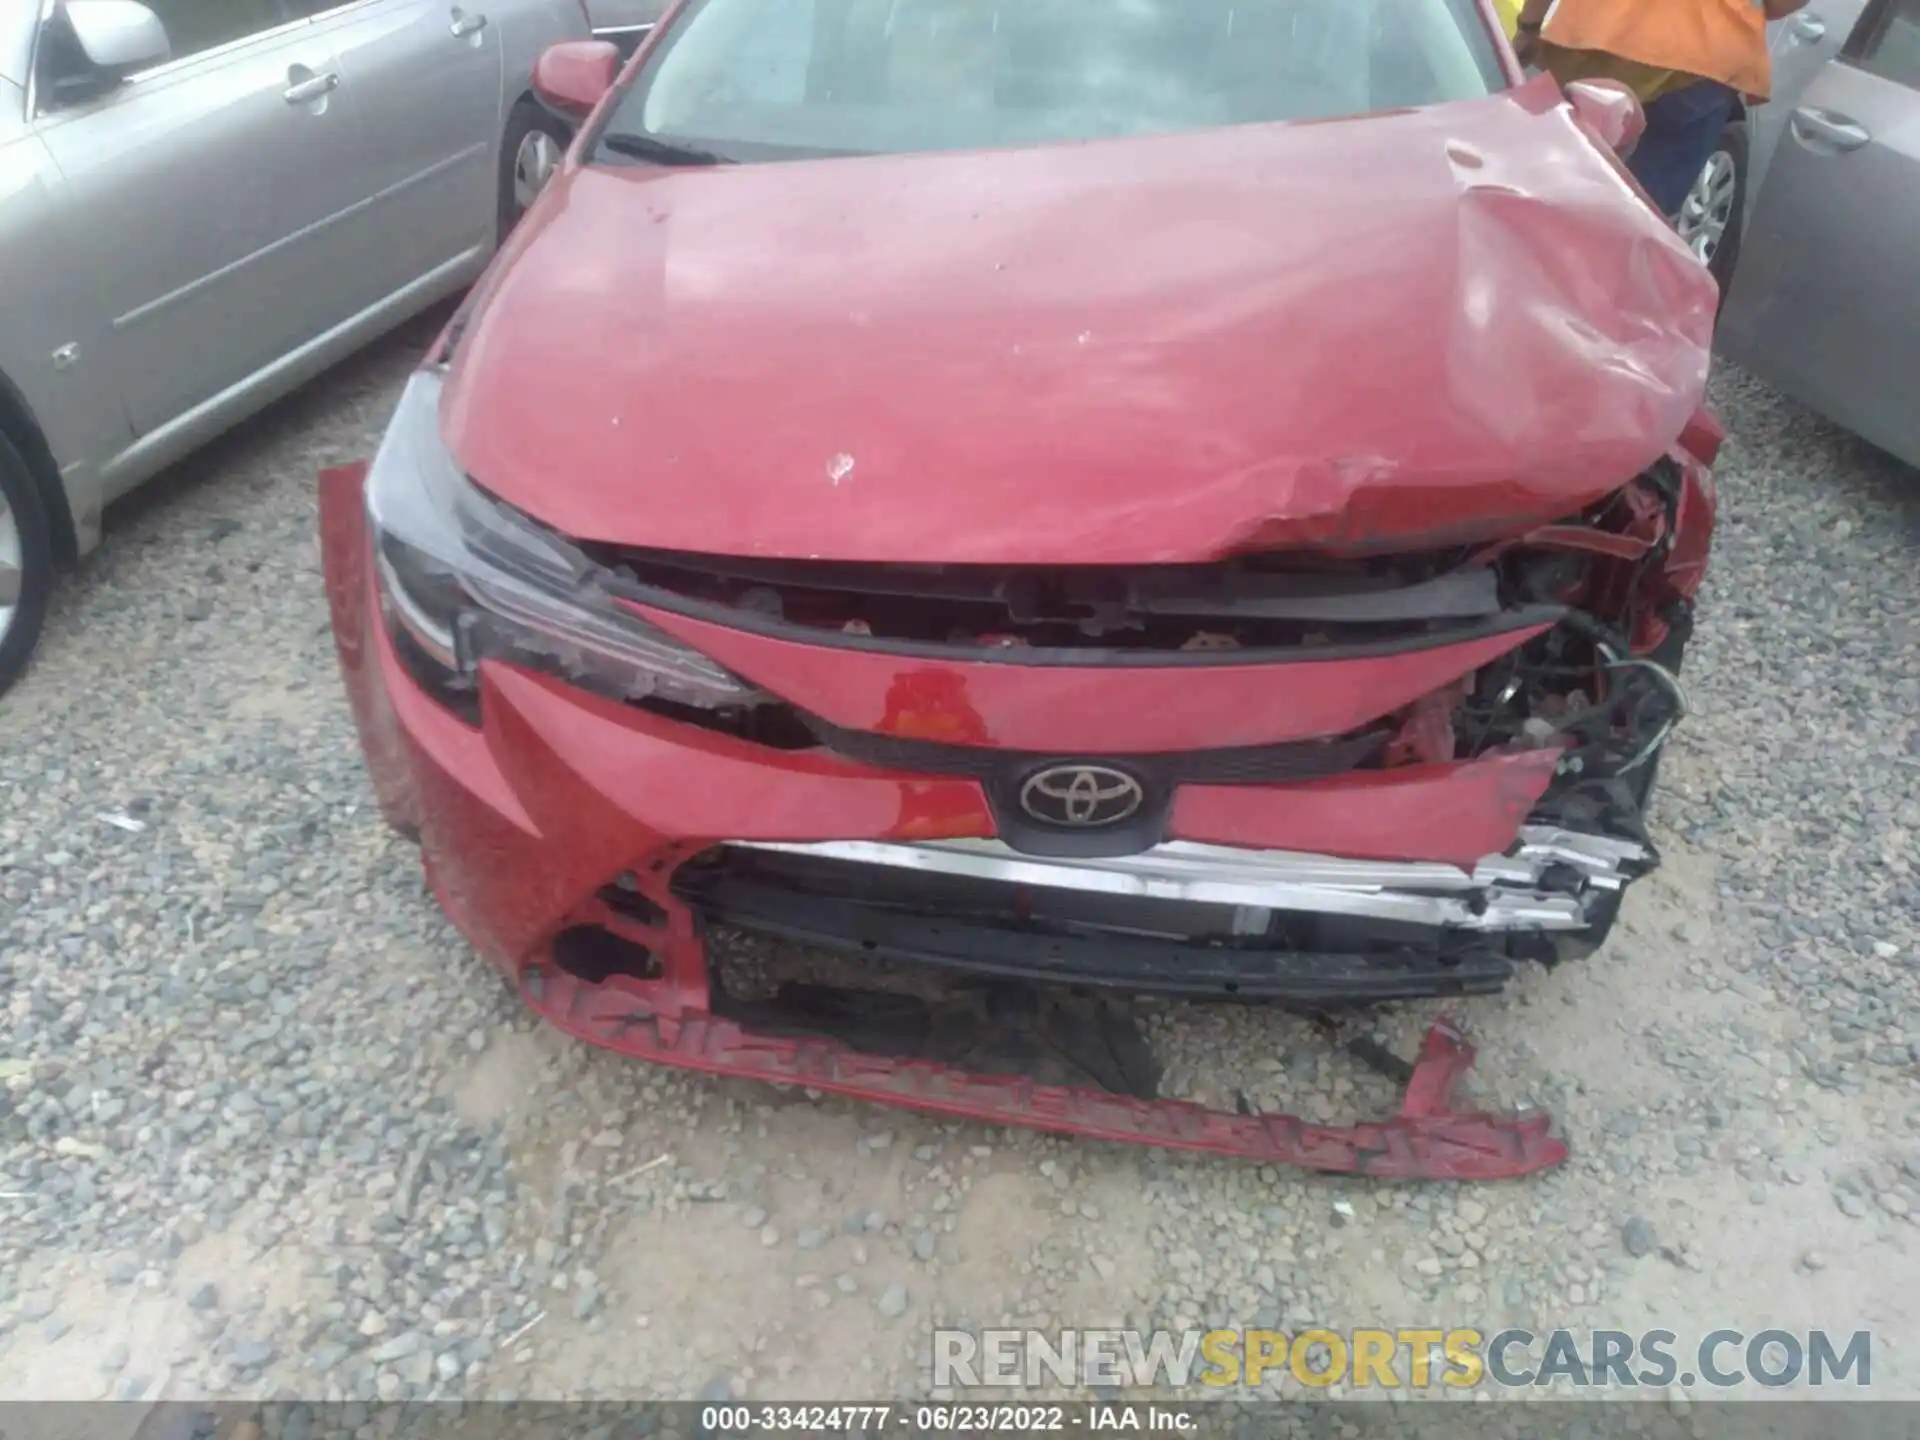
[(26, 563), (1712, 216), (535, 140)]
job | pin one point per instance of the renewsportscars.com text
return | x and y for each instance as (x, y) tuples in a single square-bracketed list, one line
[(1403, 1358)]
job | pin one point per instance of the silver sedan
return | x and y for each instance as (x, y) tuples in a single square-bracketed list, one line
[(205, 202), (1813, 206)]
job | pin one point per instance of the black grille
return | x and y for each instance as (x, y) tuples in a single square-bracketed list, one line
[(1264, 609), (987, 929)]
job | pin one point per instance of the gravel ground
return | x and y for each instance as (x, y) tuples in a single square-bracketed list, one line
[(267, 1127)]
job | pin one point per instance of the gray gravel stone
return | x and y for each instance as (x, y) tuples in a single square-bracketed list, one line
[(398, 1347), (252, 1354)]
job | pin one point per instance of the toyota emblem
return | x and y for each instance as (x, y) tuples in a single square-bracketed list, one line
[(1082, 797)]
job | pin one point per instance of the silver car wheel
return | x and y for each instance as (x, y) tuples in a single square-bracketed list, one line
[(12, 561), (533, 165), (1707, 212)]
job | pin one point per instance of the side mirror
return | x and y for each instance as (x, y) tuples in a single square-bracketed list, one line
[(573, 76), (118, 37), (1609, 111)]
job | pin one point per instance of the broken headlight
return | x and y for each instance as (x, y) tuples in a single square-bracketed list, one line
[(463, 578)]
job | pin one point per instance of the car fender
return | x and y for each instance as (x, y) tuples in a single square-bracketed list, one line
[(53, 335), (528, 27)]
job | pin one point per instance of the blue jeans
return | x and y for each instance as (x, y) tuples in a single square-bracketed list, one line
[(1683, 126)]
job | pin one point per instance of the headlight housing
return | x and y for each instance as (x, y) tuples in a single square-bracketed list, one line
[(463, 577)]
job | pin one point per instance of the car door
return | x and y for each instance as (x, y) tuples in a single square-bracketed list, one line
[(199, 191), (425, 81), (1800, 47), (1826, 302), (625, 22)]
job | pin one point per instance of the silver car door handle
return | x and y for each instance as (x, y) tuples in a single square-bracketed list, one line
[(1811, 122), (311, 89), (1809, 28), (467, 24)]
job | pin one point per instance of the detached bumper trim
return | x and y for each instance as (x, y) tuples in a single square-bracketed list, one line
[(1501, 893), (1426, 1140)]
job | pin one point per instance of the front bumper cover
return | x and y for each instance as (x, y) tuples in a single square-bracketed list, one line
[(1425, 1141), (527, 822)]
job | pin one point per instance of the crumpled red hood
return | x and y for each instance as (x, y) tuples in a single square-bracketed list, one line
[(1406, 329)]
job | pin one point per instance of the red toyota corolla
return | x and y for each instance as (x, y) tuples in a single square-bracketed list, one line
[(1069, 499)]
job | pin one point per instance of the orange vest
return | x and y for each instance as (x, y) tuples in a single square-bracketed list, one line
[(1724, 40)]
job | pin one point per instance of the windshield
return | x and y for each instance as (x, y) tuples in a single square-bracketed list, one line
[(767, 79)]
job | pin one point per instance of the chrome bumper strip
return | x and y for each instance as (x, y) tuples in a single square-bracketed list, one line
[(1502, 892)]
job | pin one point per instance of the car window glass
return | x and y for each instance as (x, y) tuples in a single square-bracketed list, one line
[(1890, 43), (196, 25), (769, 64), (753, 79), (61, 62)]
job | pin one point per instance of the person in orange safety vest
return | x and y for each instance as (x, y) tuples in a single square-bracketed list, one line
[(1687, 60)]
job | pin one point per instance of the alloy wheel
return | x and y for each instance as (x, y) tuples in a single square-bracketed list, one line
[(12, 563), (1707, 212), (533, 166)]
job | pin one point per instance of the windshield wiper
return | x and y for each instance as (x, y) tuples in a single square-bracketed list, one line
[(660, 152)]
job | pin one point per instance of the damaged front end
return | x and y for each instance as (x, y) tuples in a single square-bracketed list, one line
[(1582, 624), (1313, 780)]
